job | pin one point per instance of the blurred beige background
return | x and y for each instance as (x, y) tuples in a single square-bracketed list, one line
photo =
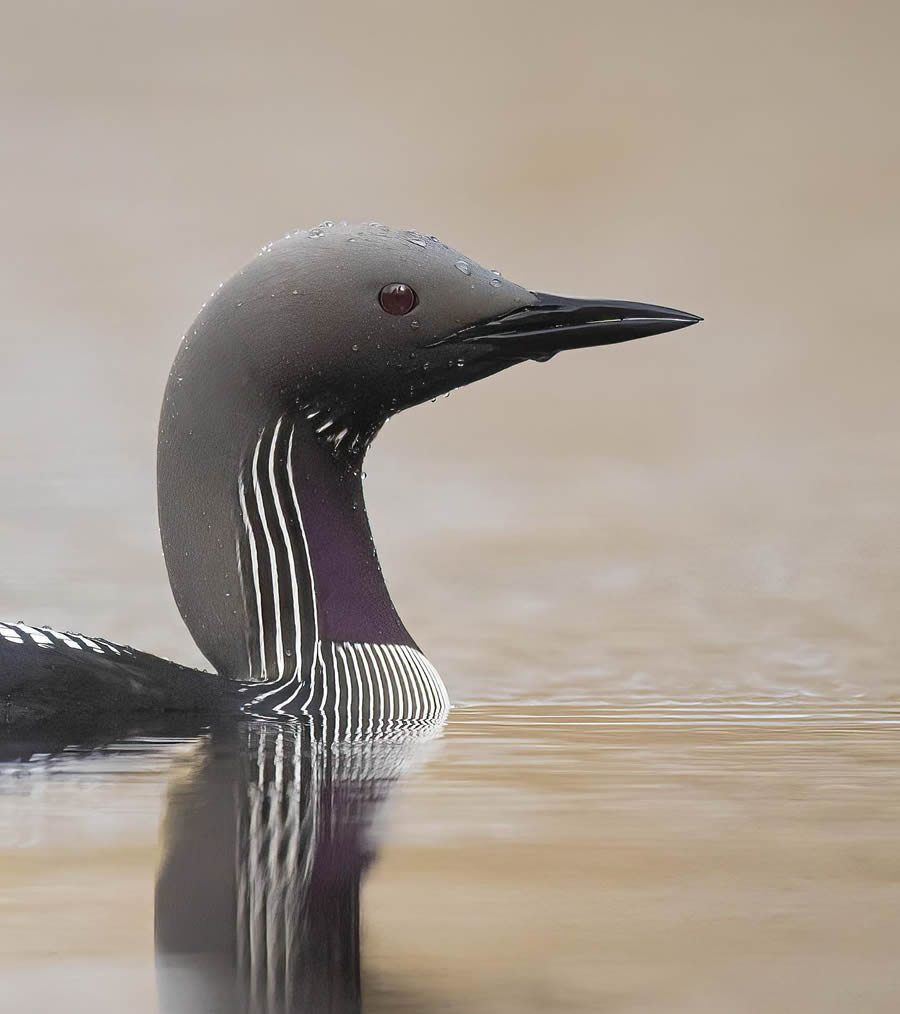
[(681, 554), (701, 513)]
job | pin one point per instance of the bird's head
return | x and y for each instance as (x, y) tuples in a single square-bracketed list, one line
[(352, 324)]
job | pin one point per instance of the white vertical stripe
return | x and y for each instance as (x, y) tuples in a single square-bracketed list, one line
[(295, 591), (337, 698), (312, 580), (430, 704), (359, 686), (404, 693), (324, 694), (422, 707), (437, 682), (298, 677), (334, 651), (273, 559), (390, 679), (386, 681), (428, 675), (254, 562), (358, 649), (415, 659), (428, 689)]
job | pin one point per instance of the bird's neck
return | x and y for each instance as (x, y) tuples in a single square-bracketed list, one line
[(308, 566), (269, 548)]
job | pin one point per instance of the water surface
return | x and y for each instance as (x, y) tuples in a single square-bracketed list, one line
[(660, 579), (680, 856)]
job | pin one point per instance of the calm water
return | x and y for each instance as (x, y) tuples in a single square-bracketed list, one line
[(672, 857), (661, 580)]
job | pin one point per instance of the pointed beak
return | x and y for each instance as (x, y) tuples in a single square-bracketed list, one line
[(555, 323)]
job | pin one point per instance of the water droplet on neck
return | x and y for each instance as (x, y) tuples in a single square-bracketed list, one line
[(414, 324), (355, 348), (316, 233), (326, 224), (460, 362), (415, 239), (496, 279), (464, 267)]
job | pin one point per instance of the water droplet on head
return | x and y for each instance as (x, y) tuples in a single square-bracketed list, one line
[(460, 362), (414, 324), (316, 233), (464, 267), (496, 279), (295, 292), (415, 239), (326, 224), (355, 348)]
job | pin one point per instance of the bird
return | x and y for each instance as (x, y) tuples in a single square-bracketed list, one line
[(277, 391)]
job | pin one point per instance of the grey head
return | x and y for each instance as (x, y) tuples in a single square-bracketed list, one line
[(276, 393)]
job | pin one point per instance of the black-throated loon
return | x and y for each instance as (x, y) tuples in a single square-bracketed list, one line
[(276, 393)]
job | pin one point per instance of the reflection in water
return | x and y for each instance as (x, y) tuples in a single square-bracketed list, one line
[(691, 856), (257, 900)]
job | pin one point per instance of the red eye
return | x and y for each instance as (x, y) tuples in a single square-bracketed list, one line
[(397, 298)]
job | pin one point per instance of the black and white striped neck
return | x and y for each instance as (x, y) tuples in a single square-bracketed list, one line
[(321, 634)]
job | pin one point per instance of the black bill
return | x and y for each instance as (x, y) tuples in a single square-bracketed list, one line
[(556, 323)]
